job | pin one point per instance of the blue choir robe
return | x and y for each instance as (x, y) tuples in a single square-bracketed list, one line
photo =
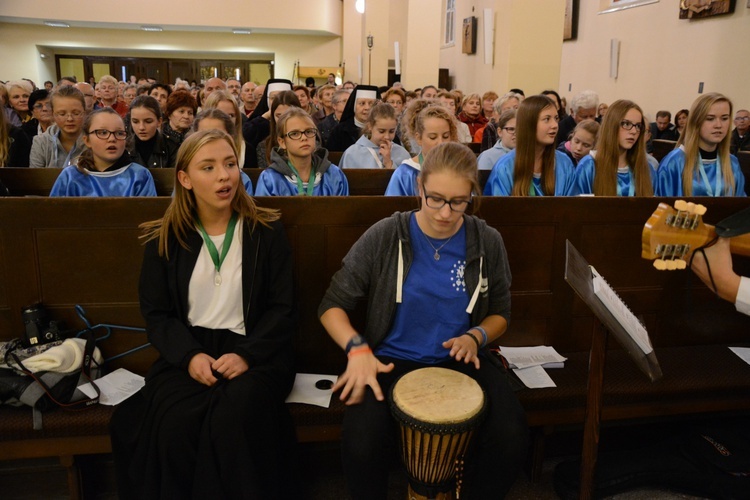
[(365, 154), (669, 176), (279, 180), (500, 182), (586, 170), (404, 179), (129, 180), (247, 182), (489, 157)]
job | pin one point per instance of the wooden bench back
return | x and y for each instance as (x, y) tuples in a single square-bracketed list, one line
[(63, 252)]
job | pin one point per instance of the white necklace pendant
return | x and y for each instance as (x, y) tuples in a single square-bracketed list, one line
[(437, 255), (217, 279)]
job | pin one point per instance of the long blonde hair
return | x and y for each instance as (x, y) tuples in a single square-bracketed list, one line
[(527, 121), (608, 153), (179, 218), (690, 139)]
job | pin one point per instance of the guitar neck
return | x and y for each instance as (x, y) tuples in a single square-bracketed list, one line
[(739, 245)]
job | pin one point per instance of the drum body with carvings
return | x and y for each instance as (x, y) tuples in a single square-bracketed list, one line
[(437, 410)]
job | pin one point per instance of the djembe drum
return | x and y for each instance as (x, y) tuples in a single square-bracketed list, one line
[(437, 410)]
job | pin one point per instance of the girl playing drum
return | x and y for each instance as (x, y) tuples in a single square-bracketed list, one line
[(437, 281)]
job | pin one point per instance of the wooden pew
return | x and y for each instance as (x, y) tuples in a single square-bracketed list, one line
[(662, 147), (39, 181), (85, 251)]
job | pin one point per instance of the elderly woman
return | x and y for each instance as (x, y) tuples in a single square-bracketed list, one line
[(181, 109), (17, 107), (41, 112)]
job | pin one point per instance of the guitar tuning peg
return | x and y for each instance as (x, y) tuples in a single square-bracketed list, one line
[(700, 210), (660, 265), (680, 205), (690, 207), (681, 264)]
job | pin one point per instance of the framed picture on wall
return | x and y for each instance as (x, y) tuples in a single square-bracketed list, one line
[(606, 6), (469, 38), (570, 30), (698, 9)]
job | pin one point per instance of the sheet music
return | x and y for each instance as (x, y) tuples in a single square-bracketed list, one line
[(620, 311)]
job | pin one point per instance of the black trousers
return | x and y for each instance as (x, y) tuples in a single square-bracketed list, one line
[(370, 439)]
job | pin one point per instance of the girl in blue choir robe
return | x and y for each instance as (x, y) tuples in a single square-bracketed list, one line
[(298, 167), (375, 147), (701, 165), (104, 168), (619, 166), (430, 125), (534, 168)]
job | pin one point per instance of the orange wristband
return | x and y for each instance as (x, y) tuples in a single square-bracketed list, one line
[(364, 350)]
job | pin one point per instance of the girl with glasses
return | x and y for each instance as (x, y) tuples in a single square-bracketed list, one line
[(619, 166), (61, 147), (534, 168), (701, 165), (437, 282), (298, 167), (104, 167), (281, 103), (506, 141), (216, 294), (146, 144), (430, 124), (376, 147)]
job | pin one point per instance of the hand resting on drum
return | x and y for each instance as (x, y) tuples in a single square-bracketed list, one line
[(464, 349), (361, 370)]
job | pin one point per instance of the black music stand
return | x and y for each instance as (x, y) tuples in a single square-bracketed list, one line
[(579, 277)]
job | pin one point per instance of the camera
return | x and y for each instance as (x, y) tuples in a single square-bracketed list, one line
[(39, 328)]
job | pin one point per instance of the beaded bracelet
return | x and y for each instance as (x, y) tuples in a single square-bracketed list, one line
[(472, 338)]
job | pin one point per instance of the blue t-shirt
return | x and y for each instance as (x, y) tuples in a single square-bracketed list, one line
[(434, 300)]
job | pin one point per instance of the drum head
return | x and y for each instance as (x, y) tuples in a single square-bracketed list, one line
[(438, 396)]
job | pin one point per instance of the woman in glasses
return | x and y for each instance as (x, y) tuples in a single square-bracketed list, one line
[(104, 167), (298, 167), (41, 112), (534, 168), (437, 282), (701, 165), (619, 165), (61, 148)]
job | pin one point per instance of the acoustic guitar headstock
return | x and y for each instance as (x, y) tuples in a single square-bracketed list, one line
[(672, 234)]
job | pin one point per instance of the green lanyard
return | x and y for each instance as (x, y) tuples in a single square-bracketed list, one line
[(218, 260), (420, 159), (300, 185)]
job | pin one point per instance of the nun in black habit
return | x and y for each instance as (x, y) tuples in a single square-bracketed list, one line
[(353, 118), (258, 126)]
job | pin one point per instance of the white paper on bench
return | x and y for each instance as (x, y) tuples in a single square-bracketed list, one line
[(115, 387), (534, 377), (304, 390), (742, 352), (524, 357)]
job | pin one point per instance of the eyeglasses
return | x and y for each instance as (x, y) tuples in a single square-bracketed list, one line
[(72, 114), (297, 134), (510, 130), (742, 118), (42, 105), (628, 125), (436, 203), (104, 134)]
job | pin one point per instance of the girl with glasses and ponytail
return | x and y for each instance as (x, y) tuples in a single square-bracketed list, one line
[(619, 165), (701, 165), (437, 282), (104, 167), (298, 166)]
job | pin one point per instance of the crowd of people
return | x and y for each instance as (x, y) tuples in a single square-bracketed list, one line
[(381, 127), (216, 284)]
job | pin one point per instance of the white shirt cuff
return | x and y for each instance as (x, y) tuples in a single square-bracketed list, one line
[(743, 296)]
